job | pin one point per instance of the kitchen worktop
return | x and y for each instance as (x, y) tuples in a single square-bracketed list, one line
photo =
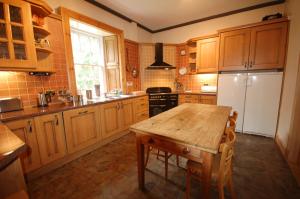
[(195, 93), (10, 146), (37, 111)]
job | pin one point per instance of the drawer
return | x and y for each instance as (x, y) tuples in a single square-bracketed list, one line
[(179, 149), (208, 99), (141, 104), (140, 116)]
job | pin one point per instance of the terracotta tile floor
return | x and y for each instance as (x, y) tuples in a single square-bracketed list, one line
[(110, 172)]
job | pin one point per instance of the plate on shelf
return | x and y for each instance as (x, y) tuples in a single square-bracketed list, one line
[(182, 70)]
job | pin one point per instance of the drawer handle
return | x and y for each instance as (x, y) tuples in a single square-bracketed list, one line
[(29, 126), (186, 150), (56, 120), (151, 141), (83, 112)]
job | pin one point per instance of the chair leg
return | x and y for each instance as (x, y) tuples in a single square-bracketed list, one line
[(230, 187), (147, 157), (188, 185), (157, 155), (221, 191), (177, 160), (166, 165)]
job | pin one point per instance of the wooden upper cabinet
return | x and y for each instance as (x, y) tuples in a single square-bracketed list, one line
[(51, 137), (17, 48), (268, 46), (234, 50), (26, 131), (260, 46), (82, 128), (111, 50), (207, 55)]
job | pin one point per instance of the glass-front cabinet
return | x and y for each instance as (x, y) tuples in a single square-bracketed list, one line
[(17, 49)]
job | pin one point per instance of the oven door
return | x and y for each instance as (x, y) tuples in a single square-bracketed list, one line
[(156, 109)]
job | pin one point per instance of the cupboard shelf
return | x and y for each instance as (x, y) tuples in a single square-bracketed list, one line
[(40, 11), (40, 31)]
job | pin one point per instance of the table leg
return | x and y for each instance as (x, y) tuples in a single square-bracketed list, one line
[(140, 163), (207, 171)]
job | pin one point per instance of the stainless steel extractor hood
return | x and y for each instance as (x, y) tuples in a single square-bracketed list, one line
[(159, 63)]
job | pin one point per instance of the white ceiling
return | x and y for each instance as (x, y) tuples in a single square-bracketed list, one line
[(157, 14)]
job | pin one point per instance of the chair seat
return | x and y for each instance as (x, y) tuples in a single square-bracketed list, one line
[(196, 168)]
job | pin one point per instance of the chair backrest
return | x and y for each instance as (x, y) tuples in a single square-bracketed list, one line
[(234, 116), (226, 150)]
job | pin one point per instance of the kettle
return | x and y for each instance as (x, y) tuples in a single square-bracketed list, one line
[(43, 99)]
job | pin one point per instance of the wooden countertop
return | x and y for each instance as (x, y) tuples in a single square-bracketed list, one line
[(10, 146), (196, 125), (37, 111)]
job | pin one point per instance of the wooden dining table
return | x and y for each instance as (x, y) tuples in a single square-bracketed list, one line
[(193, 131)]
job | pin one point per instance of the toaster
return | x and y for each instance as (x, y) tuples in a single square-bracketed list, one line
[(10, 104)]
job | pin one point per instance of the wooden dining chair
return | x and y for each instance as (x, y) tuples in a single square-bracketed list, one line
[(221, 171), (166, 157)]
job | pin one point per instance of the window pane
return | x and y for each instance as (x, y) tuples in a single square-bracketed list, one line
[(4, 54), (17, 32), (15, 14), (2, 30), (1, 11), (20, 52)]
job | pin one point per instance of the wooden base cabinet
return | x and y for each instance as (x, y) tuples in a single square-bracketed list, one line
[(197, 98), (82, 128), (51, 137), (26, 131), (140, 109), (126, 111)]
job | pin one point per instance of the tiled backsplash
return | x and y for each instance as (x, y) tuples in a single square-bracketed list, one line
[(153, 78)]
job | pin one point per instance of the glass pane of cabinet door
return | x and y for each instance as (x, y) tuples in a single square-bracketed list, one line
[(17, 47)]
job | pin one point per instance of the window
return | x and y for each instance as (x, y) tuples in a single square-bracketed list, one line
[(87, 46)]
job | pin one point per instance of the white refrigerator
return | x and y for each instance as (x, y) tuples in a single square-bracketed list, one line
[(256, 98)]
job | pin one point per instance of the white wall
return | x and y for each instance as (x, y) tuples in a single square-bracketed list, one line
[(180, 35), (288, 96), (131, 31)]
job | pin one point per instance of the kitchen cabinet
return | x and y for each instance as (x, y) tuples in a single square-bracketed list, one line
[(197, 98), (207, 55), (234, 50), (51, 137), (26, 131), (17, 48), (141, 108), (116, 117), (82, 128), (111, 57), (261, 46)]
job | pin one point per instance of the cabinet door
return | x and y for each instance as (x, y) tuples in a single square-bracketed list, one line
[(51, 137), (207, 99), (110, 119), (234, 50), (17, 48), (25, 130), (207, 56), (82, 128), (268, 46), (127, 115)]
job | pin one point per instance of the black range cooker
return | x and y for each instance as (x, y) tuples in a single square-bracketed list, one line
[(161, 99)]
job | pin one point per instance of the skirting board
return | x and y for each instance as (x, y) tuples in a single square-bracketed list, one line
[(70, 157), (295, 169)]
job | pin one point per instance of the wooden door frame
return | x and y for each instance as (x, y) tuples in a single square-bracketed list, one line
[(66, 16)]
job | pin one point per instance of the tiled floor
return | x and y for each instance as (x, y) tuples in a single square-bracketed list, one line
[(110, 172)]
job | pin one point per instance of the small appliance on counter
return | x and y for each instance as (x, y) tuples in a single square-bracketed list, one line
[(10, 104), (43, 99)]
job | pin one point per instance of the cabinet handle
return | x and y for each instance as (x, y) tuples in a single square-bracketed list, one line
[(56, 118), (186, 150), (118, 106), (251, 64), (30, 126), (245, 65), (83, 112)]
